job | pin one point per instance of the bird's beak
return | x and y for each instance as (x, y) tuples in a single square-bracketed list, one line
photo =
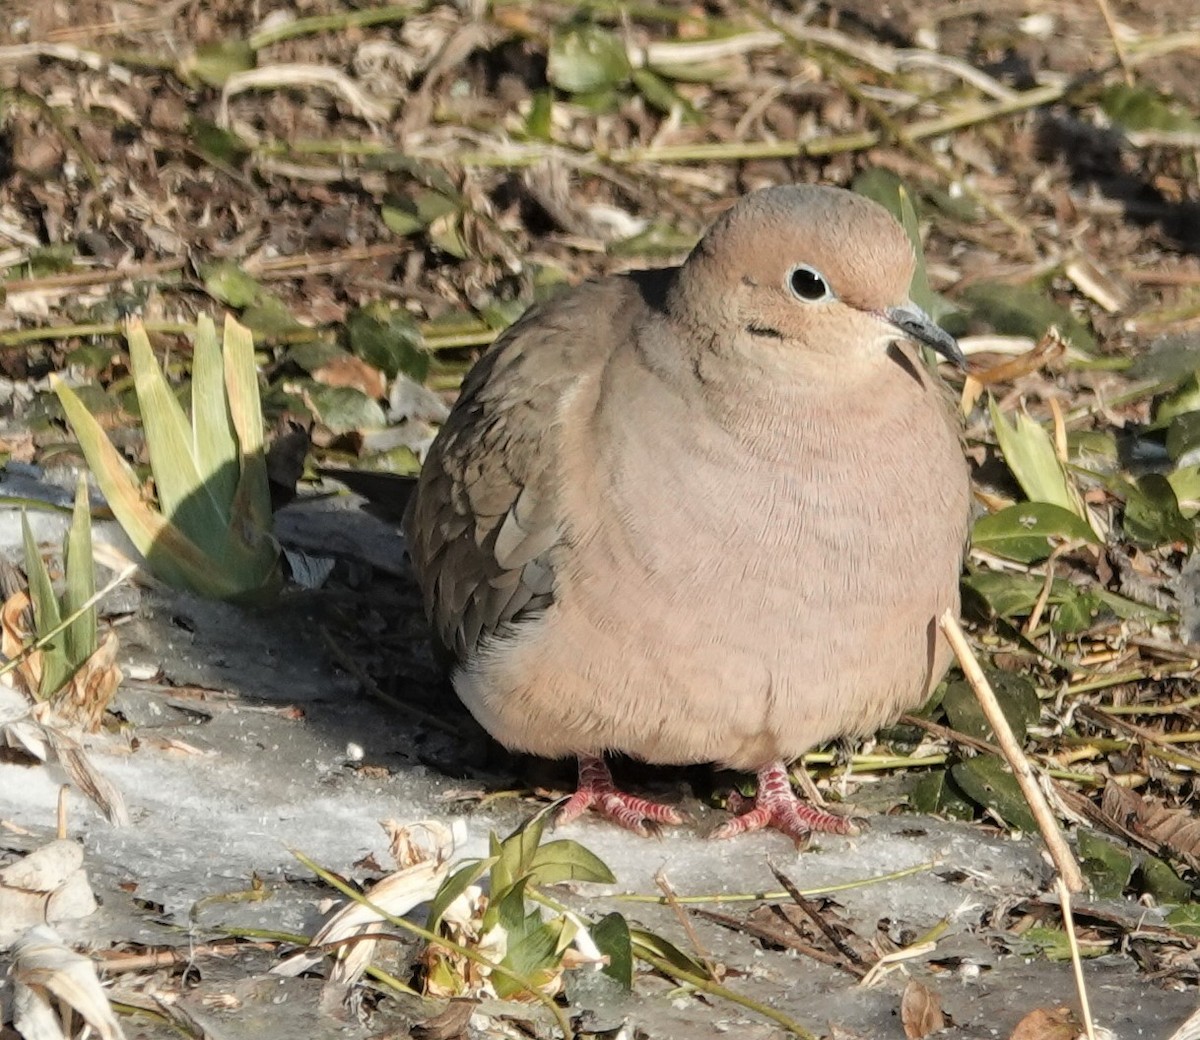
[(919, 326)]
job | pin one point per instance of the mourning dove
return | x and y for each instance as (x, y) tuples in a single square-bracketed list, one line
[(708, 513)]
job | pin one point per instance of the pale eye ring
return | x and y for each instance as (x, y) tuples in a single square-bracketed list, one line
[(808, 284)]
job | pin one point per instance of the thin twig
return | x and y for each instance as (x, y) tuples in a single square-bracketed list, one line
[(1085, 1007), (1148, 736), (758, 897), (1119, 50), (1022, 768), (772, 936), (660, 879), (854, 962)]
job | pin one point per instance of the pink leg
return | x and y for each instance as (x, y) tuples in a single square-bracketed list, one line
[(775, 805), (597, 791)]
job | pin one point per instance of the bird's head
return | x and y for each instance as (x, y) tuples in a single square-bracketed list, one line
[(794, 271)]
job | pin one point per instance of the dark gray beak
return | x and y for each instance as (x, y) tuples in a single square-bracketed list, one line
[(916, 325)]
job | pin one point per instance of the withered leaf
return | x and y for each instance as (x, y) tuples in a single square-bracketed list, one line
[(1047, 1024), (1177, 830), (920, 1011)]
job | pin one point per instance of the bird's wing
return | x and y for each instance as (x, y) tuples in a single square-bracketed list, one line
[(487, 513)]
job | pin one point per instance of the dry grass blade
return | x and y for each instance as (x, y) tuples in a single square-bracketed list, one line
[(1022, 769), (46, 971), (1085, 1007), (99, 789)]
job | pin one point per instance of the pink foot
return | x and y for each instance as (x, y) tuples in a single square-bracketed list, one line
[(776, 805), (597, 791)]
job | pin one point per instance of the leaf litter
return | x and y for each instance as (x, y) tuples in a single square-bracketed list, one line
[(384, 188)]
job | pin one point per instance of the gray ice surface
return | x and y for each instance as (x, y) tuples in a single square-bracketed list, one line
[(243, 743)]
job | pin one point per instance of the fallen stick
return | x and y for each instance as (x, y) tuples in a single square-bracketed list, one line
[(1022, 769)]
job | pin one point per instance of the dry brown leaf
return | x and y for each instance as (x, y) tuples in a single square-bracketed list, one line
[(1178, 830), (72, 757), (449, 1024), (347, 370), (395, 894), (1047, 1024), (1050, 349), (16, 633), (49, 979), (920, 1010), (86, 698)]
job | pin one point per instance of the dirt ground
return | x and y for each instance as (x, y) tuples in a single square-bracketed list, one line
[(443, 165)]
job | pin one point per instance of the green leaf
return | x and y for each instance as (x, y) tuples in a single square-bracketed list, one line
[(221, 549), (1157, 878), (1029, 453), (1171, 357), (611, 936), (388, 339), (1028, 531), (214, 440), (985, 780), (345, 409), (539, 124), (659, 239), (566, 860), (447, 234), (665, 950), (532, 953), (1017, 698), (46, 616), (80, 636), (186, 501), (1152, 514), (1055, 945), (515, 854), (1078, 612), (1185, 483), (315, 354), (660, 95), (1005, 595), (586, 58), (1185, 919), (1143, 108), (216, 142), (1106, 865), (1184, 399), (1024, 310), (226, 282), (214, 63), (453, 887), (935, 792), (401, 219), (270, 318), (172, 556), (1183, 435), (251, 510), (511, 914)]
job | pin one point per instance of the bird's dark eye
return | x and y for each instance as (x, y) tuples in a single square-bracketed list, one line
[(807, 284)]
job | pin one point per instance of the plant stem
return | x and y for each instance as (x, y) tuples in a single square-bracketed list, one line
[(717, 990)]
